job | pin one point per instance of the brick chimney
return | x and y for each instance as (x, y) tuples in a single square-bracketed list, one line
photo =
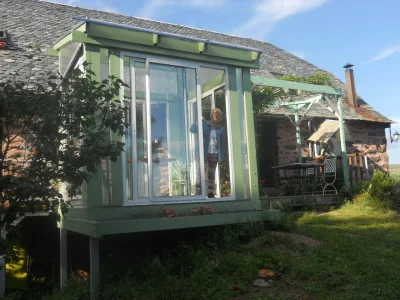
[(351, 87)]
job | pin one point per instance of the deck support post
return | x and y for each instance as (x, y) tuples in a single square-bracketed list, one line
[(343, 146), (63, 258), (94, 267)]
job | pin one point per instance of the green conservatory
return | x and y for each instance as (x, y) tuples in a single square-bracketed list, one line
[(175, 84)]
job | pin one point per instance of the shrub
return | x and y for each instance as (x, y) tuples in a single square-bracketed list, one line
[(382, 188)]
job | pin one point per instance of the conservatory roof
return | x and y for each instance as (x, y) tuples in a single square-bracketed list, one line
[(121, 36)]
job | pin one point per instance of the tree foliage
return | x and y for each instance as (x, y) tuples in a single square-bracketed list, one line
[(55, 132), (316, 78), (265, 96)]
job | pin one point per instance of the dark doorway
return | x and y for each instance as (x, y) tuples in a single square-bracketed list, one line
[(266, 152)]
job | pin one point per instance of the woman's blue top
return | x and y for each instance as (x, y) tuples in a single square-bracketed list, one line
[(206, 137)]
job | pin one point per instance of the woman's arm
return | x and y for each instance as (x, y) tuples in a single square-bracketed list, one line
[(195, 127)]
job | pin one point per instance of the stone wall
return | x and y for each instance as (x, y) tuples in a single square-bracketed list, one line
[(286, 143), (369, 139)]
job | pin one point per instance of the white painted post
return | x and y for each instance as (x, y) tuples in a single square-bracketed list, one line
[(63, 258), (94, 267)]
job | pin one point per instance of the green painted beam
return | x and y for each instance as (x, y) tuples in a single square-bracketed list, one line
[(235, 133), (101, 213), (79, 226), (117, 166), (343, 146), (64, 41), (302, 102), (93, 190), (250, 136), (83, 38), (168, 42), (52, 52), (124, 226), (202, 47), (120, 34), (82, 28), (284, 84), (226, 52), (127, 226), (211, 84), (99, 229), (255, 55), (156, 39)]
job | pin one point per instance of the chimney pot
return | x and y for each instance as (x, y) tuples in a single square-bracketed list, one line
[(351, 88), (348, 66)]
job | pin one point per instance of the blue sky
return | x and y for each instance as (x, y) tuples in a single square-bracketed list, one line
[(327, 33)]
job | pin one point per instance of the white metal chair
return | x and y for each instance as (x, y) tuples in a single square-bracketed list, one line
[(310, 177), (329, 175), (178, 177)]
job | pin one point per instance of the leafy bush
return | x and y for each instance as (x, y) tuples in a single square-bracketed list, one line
[(381, 188), (359, 187)]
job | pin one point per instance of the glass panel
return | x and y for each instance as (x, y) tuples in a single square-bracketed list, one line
[(67, 55), (215, 133), (206, 107), (175, 151), (128, 131), (142, 181)]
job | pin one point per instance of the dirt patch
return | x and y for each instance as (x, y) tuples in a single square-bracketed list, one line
[(278, 290), (298, 239)]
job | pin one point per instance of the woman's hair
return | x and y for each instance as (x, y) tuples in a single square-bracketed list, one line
[(219, 113)]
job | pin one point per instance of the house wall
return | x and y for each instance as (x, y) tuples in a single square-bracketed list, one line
[(286, 141), (369, 139)]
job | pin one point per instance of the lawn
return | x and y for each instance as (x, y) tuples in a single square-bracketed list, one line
[(395, 170), (350, 253)]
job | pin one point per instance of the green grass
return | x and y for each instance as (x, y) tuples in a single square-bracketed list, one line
[(394, 170), (358, 258)]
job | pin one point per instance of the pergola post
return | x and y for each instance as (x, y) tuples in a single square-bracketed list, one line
[(298, 135), (343, 146), (94, 267), (63, 258)]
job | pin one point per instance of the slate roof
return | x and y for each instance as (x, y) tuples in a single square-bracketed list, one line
[(44, 23)]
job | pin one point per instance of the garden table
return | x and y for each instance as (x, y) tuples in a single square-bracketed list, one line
[(304, 178)]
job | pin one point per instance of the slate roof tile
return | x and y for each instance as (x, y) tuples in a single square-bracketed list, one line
[(44, 23)]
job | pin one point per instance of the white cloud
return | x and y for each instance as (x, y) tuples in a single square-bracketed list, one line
[(152, 7), (385, 53), (266, 13), (100, 5)]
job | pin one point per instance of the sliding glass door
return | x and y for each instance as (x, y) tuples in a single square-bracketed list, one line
[(165, 146)]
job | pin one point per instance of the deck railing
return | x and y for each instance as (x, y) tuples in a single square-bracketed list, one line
[(358, 167)]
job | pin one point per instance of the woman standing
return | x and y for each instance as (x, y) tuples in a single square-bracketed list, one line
[(213, 143)]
